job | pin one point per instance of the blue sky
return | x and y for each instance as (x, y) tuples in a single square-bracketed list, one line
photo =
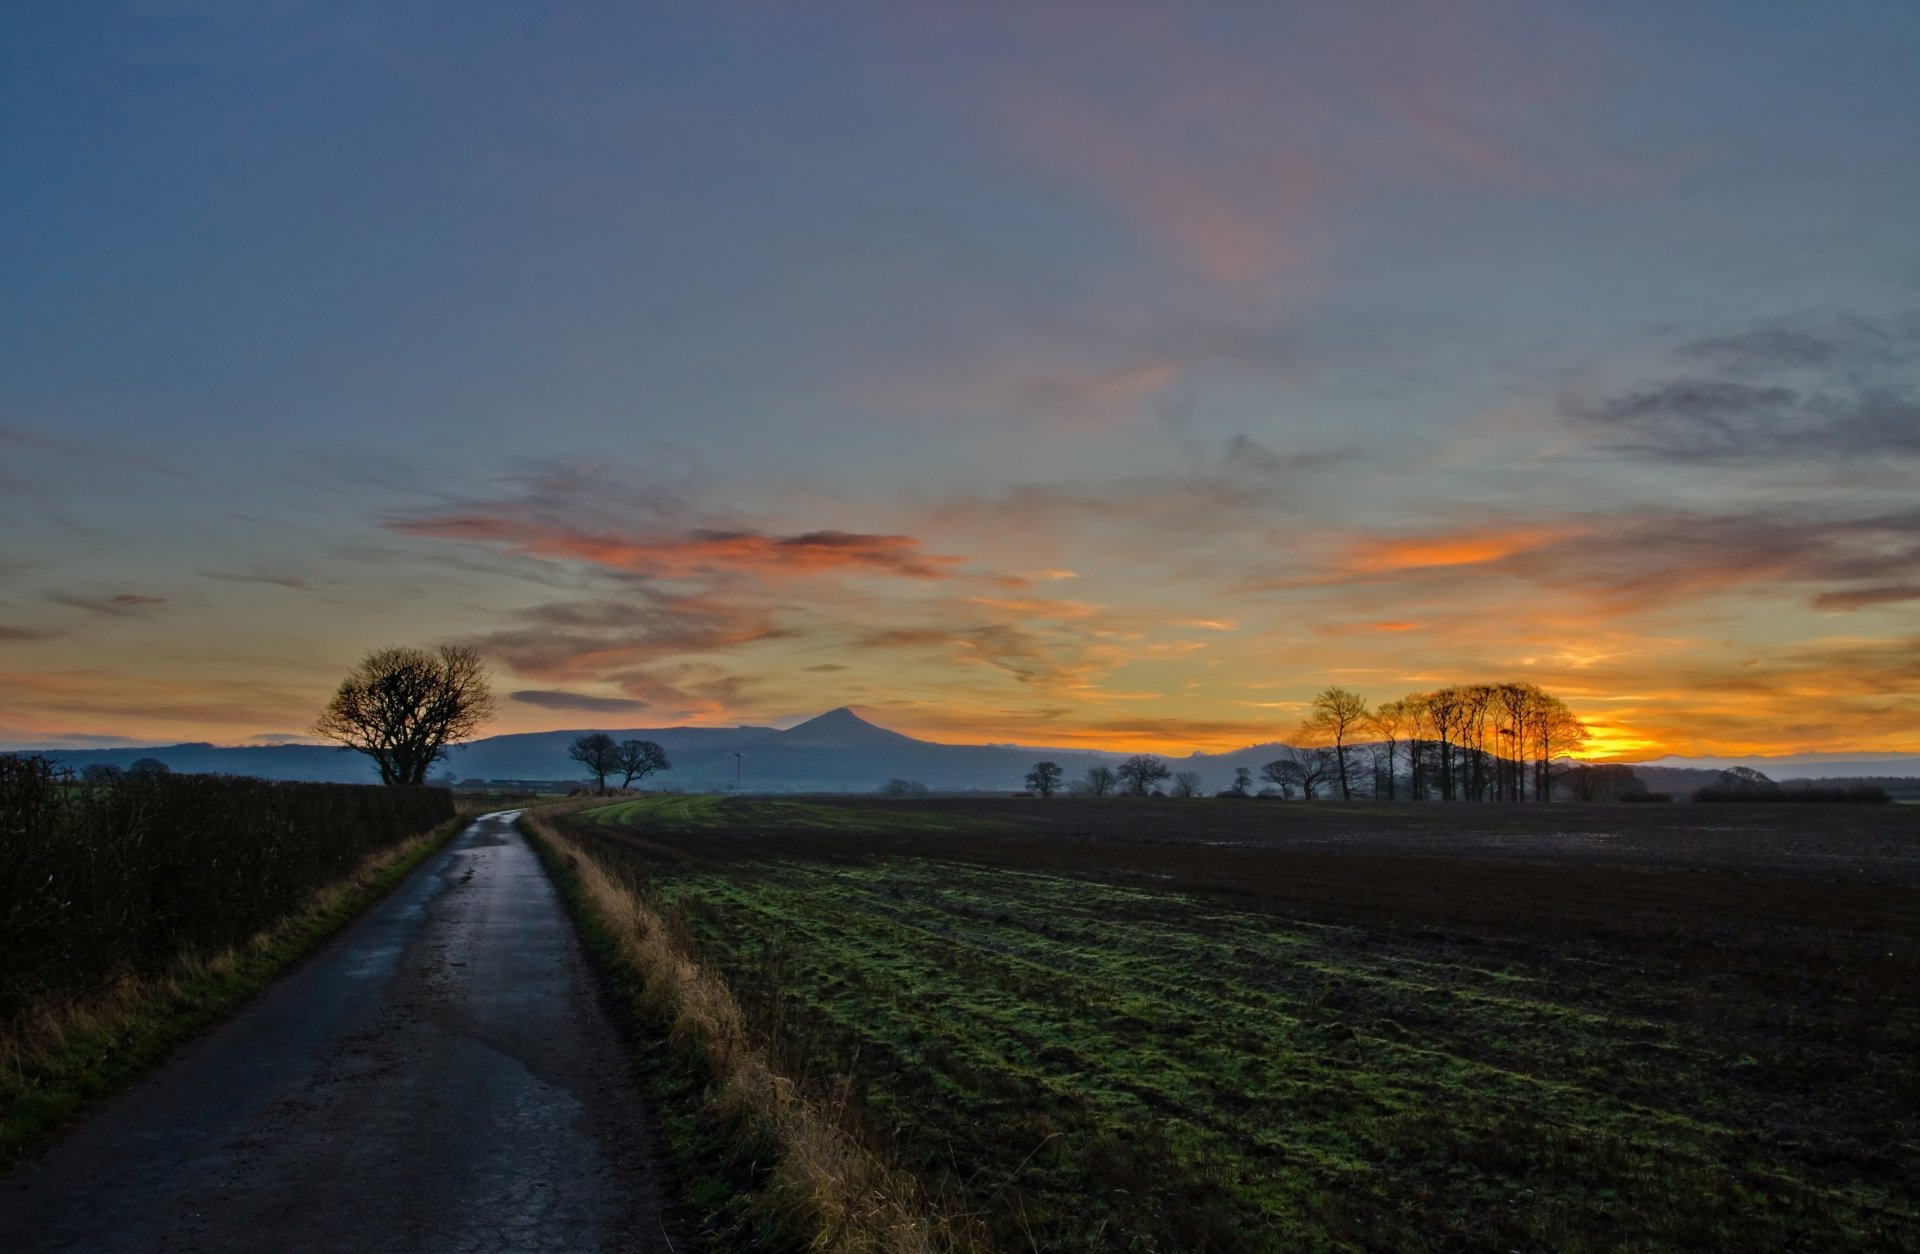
[(678, 353)]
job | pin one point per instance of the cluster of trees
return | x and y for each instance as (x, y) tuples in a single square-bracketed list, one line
[(142, 768), (1608, 781), (1467, 742), (630, 759), (1139, 776)]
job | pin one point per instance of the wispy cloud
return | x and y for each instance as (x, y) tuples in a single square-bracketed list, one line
[(1809, 391), (695, 553), (116, 605), (556, 699)]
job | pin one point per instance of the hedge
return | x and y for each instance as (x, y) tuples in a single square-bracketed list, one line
[(98, 880)]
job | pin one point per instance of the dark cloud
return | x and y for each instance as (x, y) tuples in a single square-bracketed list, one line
[(1767, 348), (1848, 344), (120, 605), (1719, 420), (1848, 599), (23, 634), (591, 638), (826, 668), (278, 581), (1785, 392), (554, 699)]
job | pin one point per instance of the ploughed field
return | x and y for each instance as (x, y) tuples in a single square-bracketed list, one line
[(1178, 1025)]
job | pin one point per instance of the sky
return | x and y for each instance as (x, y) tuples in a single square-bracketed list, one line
[(1097, 374)]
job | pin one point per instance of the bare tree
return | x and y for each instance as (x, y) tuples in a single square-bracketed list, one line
[(1337, 715), (1388, 723), (599, 754), (1446, 713), (638, 759), (1304, 768), (1186, 783), (1554, 732), (1514, 704), (404, 707), (1101, 780), (1141, 772), (1045, 778)]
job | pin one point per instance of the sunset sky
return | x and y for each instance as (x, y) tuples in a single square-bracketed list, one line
[(1062, 373)]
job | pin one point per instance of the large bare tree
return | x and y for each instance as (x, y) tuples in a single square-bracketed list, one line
[(638, 759), (1305, 768), (1141, 772), (1100, 780), (1388, 723), (1045, 778), (599, 753), (1337, 715), (405, 707)]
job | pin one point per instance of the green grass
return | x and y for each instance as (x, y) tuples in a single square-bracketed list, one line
[(1088, 1065), (679, 814), (108, 1046)]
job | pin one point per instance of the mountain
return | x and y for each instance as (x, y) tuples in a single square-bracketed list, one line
[(841, 752)]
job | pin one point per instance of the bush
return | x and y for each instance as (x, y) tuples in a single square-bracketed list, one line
[(121, 875)]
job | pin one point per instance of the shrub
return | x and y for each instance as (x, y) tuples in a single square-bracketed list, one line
[(103, 878)]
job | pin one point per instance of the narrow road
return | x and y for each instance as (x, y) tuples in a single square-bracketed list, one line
[(440, 1076)]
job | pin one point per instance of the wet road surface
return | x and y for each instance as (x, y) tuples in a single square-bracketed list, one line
[(438, 1077)]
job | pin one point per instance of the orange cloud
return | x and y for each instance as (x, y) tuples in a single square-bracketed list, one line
[(1377, 554)]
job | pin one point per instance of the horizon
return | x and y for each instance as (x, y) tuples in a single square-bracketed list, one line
[(1673, 761), (1108, 379)]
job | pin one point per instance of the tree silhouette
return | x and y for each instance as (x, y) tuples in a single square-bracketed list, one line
[(599, 754), (1045, 778), (404, 707), (1388, 721), (1141, 772), (1100, 780), (1338, 715), (1186, 783), (637, 759), (1303, 768)]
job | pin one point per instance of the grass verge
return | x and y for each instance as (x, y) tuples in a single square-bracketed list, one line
[(816, 1186), (57, 1059)]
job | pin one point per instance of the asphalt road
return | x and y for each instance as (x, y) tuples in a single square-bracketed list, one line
[(440, 1076)]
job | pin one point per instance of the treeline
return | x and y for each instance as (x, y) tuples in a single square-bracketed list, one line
[(122, 875), (1746, 784), (1468, 742)]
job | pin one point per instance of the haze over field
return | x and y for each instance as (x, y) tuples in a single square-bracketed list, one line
[(1078, 375)]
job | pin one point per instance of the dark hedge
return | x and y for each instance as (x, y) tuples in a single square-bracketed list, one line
[(103, 879)]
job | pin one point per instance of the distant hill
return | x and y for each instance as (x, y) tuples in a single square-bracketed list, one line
[(841, 752)]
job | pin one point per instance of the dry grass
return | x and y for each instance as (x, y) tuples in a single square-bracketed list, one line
[(827, 1189), (61, 1052)]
